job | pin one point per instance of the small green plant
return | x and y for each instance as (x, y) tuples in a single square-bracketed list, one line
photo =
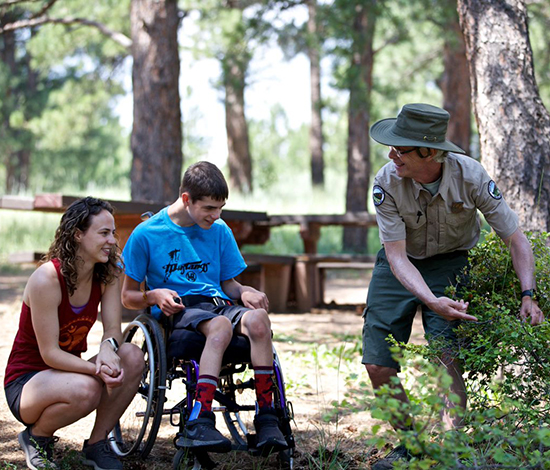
[(8, 466), (325, 458)]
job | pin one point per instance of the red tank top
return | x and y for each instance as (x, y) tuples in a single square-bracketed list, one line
[(73, 330)]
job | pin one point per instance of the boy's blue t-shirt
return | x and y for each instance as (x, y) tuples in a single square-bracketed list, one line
[(188, 260)]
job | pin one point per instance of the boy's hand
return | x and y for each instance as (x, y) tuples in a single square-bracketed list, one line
[(165, 300), (255, 299)]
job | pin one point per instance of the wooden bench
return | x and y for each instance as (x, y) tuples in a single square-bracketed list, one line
[(271, 274), (25, 257), (310, 275)]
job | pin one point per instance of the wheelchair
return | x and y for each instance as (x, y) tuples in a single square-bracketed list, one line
[(172, 356)]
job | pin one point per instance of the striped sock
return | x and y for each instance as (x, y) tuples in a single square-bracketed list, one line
[(264, 386), (206, 387)]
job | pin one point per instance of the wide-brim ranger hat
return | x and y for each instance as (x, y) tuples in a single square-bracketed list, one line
[(416, 125)]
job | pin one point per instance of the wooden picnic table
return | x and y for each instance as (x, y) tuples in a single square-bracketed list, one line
[(310, 225), (128, 214)]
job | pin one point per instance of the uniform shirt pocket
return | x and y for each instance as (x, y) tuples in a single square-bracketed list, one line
[(416, 230), (460, 229)]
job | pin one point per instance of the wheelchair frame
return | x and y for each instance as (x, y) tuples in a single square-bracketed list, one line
[(137, 429)]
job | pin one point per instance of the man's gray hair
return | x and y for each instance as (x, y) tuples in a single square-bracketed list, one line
[(440, 156)]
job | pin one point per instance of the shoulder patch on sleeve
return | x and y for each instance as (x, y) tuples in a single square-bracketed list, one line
[(378, 195), (494, 192)]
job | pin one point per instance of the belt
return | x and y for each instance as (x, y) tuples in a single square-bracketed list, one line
[(189, 300), (450, 255)]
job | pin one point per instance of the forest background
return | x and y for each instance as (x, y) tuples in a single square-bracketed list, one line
[(65, 67)]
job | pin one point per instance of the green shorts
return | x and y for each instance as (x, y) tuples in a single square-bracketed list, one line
[(391, 308)]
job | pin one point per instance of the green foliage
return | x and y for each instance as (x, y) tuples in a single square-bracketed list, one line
[(278, 151), (230, 34), (54, 46), (539, 30), (507, 376), (88, 143), (507, 359), (61, 92)]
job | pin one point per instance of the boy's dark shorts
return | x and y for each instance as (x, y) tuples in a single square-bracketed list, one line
[(391, 308), (193, 315), (13, 394)]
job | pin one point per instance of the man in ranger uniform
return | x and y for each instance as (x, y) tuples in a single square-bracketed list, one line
[(426, 200)]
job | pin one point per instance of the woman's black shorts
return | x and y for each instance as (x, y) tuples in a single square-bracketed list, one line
[(13, 394)]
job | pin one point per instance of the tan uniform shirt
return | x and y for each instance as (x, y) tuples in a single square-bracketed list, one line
[(447, 221)]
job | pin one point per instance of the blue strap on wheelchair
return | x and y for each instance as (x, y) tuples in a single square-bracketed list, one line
[(195, 411)]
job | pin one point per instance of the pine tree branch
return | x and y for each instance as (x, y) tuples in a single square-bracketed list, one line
[(44, 9), (10, 3), (119, 38)]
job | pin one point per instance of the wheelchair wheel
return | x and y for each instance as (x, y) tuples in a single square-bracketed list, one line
[(137, 428)]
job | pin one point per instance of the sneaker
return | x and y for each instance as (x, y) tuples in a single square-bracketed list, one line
[(38, 450), (397, 453), (270, 437), (202, 433), (100, 456)]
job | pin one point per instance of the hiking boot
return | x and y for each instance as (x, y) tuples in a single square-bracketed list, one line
[(398, 453), (38, 450), (269, 436), (100, 456), (202, 433)]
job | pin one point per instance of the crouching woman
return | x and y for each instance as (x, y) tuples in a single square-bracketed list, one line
[(47, 384)]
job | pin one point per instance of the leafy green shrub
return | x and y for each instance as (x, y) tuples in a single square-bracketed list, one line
[(506, 359), (507, 370)]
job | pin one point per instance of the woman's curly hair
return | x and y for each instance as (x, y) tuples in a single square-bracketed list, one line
[(78, 216)]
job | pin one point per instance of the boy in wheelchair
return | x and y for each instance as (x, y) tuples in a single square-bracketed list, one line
[(189, 257)]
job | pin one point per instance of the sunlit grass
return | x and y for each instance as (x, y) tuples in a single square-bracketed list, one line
[(26, 231), (295, 196)]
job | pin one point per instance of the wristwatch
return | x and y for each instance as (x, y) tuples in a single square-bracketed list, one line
[(112, 342), (529, 293)]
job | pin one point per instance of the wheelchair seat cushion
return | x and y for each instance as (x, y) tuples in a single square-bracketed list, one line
[(188, 344)]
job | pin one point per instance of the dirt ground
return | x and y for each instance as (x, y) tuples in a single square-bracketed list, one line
[(315, 375)]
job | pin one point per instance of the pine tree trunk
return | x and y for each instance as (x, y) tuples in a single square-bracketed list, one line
[(355, 238), (234, 65), (238, 144), (156, 134), (513, 124), (316, 129), (455, 86)]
